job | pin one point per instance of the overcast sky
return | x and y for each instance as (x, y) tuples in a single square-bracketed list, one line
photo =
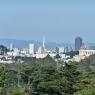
[(57, 20)]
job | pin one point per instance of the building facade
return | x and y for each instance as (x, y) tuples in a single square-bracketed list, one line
[(78, 43), (86, 52), (31, 48)]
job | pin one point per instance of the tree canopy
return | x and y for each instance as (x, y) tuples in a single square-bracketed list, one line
[(43, 77)]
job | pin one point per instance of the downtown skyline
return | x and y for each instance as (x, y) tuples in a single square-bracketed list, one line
[(59, 21)]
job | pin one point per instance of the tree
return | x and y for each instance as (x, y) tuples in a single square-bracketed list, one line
[(2, 75), (86, 85), (27, 70), (3, 49), (90, 91), (57, 56), (42, 77), (2, 78), (10, 78), (46, 80), (18, 91), (48, 60), (72, 53), (71, 76)]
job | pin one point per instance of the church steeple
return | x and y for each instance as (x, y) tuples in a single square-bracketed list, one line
[(43, 44)]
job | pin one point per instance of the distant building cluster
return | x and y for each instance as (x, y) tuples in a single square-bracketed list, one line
[(41, 52), (84, 50)]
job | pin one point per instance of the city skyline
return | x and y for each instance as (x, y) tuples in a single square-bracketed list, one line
[(60, 21)]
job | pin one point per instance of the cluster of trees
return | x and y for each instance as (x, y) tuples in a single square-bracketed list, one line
[(3, 50), (72, 53), (46, 77)]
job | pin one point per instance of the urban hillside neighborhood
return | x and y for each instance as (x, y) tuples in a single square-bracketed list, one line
[(47, 72), (47, 47), (66, 54)]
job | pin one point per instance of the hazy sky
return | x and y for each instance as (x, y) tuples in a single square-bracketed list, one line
[(57, 20)]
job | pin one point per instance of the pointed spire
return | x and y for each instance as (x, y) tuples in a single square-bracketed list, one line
[(43, 41)]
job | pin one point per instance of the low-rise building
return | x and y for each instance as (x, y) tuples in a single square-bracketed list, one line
[(86, 53)]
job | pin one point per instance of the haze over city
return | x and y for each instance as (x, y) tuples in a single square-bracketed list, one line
[(57, 20)]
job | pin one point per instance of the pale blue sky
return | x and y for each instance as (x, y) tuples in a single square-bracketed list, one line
[(58, 20)]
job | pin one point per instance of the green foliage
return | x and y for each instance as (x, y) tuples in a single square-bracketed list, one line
[(86, 83), (57, 56), (72, 53), (43, 77), (48, 60), (11, 78), (46, 80), (1, 91), (90, 91), (71, 77), (87, 65), (2, 75), (3, 49), (18, 91)]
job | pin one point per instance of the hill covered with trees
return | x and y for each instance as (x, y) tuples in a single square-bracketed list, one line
[(47, 77)]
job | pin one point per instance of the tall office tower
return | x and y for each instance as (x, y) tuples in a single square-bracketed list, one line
[(78, 43), (43, 46), (11, 47), (31, 48)]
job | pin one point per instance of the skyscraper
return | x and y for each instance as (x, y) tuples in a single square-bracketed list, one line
[(78, 43), (42, 49), (11, 47), (31, 48)]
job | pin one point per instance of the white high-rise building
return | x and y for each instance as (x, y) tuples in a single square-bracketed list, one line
[(31, 48), (11, 47)]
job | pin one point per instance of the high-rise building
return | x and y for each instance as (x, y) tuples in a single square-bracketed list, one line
[(42, 49), (31, 48), (11, 47), (78, 43)]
